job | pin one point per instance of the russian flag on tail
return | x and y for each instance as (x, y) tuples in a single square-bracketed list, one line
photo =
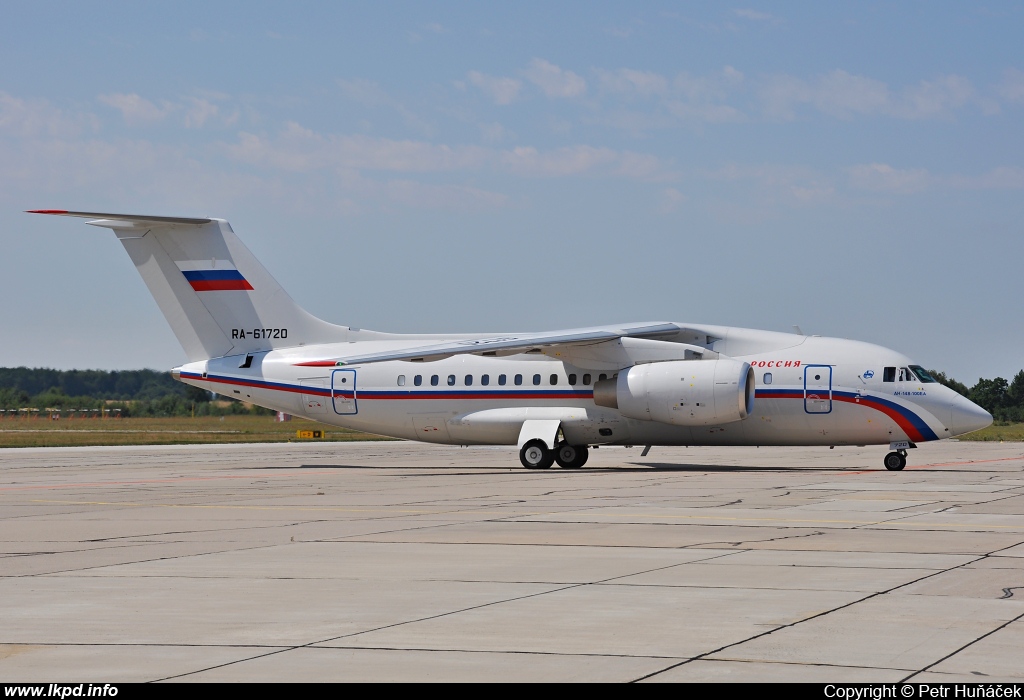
[(213, 275)]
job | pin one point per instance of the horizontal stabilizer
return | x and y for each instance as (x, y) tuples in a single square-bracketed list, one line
[(131, 218)]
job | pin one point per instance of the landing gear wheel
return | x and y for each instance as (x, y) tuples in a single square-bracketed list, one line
[(895, 461), (535, 455), (571, 456)]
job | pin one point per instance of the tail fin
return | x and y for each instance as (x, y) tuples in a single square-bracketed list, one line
[(215, 294)]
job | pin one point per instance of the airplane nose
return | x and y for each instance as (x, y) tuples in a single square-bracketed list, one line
[(968, 416)]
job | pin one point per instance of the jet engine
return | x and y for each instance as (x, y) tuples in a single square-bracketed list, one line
[(690, 392)]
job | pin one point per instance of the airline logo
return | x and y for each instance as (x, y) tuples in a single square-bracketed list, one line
[(213, 275)]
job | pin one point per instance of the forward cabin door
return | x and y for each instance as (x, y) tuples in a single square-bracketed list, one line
[(818, 389), (343, 392)]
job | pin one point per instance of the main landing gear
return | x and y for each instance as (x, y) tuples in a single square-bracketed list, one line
[(536, 455), (895, 461)]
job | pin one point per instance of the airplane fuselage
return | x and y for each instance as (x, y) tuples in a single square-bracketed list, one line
[(809, 391)]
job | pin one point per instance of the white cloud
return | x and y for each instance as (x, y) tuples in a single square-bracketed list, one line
[(28, 118), (841, 94), (934, 98), (1011, 88), (502, 90), (493, 132), (136, 110), (686, 97), (671, 198), (554, 81), (754, 15), (785, 184), (1002, 178), (633, 82), (298, 149), (365, 92), (578, 160), (428, 196), (199, 111), (880, 177)]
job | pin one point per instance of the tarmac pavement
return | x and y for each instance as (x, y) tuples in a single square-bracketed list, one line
[(398, 561)]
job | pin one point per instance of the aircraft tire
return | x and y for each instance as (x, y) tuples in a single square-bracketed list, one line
[(536, 455), (894, 461), (571, 456)]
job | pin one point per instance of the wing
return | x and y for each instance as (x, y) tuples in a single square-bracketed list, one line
[(514, 344)]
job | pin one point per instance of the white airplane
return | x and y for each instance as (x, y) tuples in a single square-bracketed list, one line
[(553, 394)]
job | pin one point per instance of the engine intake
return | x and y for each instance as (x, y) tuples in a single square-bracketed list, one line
[(692, 392)]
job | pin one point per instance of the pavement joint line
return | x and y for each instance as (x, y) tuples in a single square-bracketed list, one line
[(504, 516), (500, 651), (327, 473), (141, 561), (424, 619), (965, 646), (780, 662), (814, 617), (375, 629)]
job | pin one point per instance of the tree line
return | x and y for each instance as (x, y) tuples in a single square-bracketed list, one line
[(140, 392)]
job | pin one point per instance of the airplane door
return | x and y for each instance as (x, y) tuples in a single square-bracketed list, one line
[(818, 389), (314, 395), (343, 392)]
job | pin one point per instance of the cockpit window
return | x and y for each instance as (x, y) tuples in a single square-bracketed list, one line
[(889, 374), (923, 375), (906, 375)]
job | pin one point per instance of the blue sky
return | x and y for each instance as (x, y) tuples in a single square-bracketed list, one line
[(857, 169)]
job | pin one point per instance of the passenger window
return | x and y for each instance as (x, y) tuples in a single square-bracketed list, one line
[(767, 377), (501, 379), (536, 380), (401, 380), (586, 380), (554, 379), (469, 380), (418, 379), (889, 374), (572, 380), (451, 380), (485, 380), (602, 377), (519, 379), (433, 380)]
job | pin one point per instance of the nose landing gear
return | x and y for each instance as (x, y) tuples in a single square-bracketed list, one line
[(895, 461)]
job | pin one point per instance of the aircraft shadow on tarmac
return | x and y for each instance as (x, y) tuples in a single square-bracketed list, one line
[(628, 467)]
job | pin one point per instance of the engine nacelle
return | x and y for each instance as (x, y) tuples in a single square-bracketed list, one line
[(693, 392)]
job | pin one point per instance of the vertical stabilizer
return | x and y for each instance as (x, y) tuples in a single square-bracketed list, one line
[(217, 297)]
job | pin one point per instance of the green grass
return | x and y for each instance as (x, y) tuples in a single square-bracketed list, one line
[(40, 432), (1009, 432)]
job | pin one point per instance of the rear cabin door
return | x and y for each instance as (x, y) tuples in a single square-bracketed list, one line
[(343, 392), (818, 389)]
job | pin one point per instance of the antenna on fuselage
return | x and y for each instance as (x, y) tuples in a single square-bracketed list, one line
[(796, 329)]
